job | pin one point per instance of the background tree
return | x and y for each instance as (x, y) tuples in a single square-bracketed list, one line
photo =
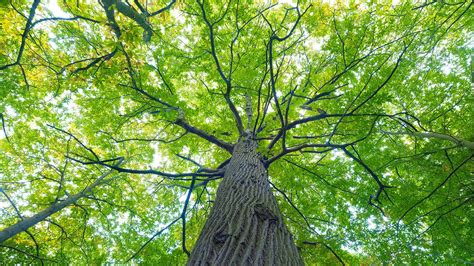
[(119, 120)]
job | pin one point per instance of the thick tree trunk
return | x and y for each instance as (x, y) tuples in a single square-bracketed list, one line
[(245, 225)]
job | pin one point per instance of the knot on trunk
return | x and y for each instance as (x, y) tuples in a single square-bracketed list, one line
[(220, 238), (264, 213)]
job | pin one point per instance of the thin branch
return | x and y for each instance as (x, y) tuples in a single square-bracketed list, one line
[(436, 188), (296, 208), (329, 248), (183, 215), (153, 237), (318, 176), (3, 127), (226, 79), (11, 203), (76, 139), (33, 8), (28, 254), (441, 216), (371, 172), (62, 19), (394, 69), (161, 10), (273, 77)]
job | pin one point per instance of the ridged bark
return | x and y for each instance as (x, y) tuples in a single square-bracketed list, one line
[(245, 225)]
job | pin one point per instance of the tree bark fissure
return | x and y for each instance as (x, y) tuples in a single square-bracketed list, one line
[(245, 226)]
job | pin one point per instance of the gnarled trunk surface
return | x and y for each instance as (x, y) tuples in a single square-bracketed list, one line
[(245, 225)]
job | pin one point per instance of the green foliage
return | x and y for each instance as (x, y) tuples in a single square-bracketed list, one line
[(382, 70)]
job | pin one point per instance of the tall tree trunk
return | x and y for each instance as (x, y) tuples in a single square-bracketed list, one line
[(245, 225)]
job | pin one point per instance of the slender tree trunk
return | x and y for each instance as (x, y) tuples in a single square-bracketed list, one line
[(245, 225)]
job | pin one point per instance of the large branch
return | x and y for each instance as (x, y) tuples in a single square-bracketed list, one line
[(180, 121), (94, 61), (211, 138), (328, 146), (29, 222), (300, 147), (293, 124), (127, 10), (178, 176), (429, 135), (323, 115)]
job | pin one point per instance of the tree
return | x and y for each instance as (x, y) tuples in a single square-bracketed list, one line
[(224, 132)]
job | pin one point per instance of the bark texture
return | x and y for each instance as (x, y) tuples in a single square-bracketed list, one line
[(245, 225)]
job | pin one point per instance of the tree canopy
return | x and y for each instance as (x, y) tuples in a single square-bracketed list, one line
[(126, 113)]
